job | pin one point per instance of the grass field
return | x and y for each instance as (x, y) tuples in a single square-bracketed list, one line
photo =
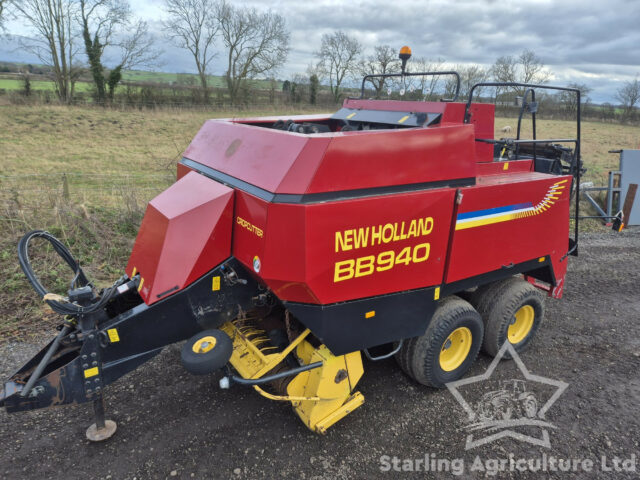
[(86, 174), (9, 82)]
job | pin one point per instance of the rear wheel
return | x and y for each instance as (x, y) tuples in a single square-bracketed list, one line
[(512, 310), (448, 348)]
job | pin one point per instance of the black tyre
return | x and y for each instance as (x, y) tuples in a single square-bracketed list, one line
[(448, 348), (512, 310), (206, 352)]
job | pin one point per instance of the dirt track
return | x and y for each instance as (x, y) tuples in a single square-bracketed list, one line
[(173, 425)]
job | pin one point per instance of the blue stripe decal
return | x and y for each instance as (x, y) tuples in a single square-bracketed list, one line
[(491, 211)]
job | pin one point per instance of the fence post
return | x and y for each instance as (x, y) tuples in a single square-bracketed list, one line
[(65, 187)]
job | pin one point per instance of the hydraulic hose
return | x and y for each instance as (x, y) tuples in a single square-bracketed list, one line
[(79, 280)]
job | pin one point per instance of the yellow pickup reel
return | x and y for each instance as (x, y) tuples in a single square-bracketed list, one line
[(321, 390)]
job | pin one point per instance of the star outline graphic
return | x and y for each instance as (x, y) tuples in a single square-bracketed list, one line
[(507, 347)]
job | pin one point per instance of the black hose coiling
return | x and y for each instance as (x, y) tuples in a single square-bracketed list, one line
[(79, 280)]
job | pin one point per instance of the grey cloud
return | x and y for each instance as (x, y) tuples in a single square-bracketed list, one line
[(598, 42)]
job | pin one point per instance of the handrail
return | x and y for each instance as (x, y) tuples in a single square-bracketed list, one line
[(385, 75), (573, 249)]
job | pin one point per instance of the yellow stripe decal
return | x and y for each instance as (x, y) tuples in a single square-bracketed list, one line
[(91, 372), (403, 119), (511, 212)]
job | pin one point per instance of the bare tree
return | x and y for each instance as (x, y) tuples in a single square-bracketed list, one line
[(338, 58), (299, 88), (193, 25), (505, 70), (469, 76), (427, 86), (2, 13), (532, 68), (103, 24), (384, 60), (629, 95), (569, 100), (257, 43), (525, 68), (53, 25)]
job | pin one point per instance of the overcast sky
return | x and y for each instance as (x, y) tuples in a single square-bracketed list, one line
[(596, 43)]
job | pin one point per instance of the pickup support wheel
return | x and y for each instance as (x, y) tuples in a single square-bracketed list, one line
[(447, 349), (206, 352), (512, 310)]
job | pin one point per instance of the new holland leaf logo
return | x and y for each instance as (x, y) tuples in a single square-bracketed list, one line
[(500, 413)]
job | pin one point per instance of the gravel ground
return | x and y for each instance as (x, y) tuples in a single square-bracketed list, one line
[(173, 425)]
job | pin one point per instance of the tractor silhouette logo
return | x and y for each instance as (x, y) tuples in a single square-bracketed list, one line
[(511, 401), (515, 409)]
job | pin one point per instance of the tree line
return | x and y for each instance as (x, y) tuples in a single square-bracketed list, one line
[(341, 60), (72, 36)]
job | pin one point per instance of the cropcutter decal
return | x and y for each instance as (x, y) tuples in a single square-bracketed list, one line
[(509, 212)]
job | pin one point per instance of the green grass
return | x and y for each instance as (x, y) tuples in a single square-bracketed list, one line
[(139, 76), (10, 84), (597, 139)]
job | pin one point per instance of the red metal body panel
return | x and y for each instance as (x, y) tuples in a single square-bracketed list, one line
[(259, 156), (366, 234), (493, 240), (285, 260), (292, 163), (395, 157), (249, 228), (482, 117), (186, 231), (307, 251), (500, 168)]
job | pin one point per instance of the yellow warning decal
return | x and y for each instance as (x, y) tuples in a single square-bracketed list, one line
[(403, 119), (436, 294), (541, 259), (91, 372), (370, 314), (113, 335), (505, 166), (351, 115), (215, 285), (133, 274)]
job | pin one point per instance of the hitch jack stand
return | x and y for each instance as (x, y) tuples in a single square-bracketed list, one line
[(102, 429)]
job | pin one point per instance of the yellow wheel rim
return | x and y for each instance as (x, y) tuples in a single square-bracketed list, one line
[(521, 324), (204, 345), (455, 349)]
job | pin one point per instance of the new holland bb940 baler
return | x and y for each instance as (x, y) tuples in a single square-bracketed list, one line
[(289, 246)]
